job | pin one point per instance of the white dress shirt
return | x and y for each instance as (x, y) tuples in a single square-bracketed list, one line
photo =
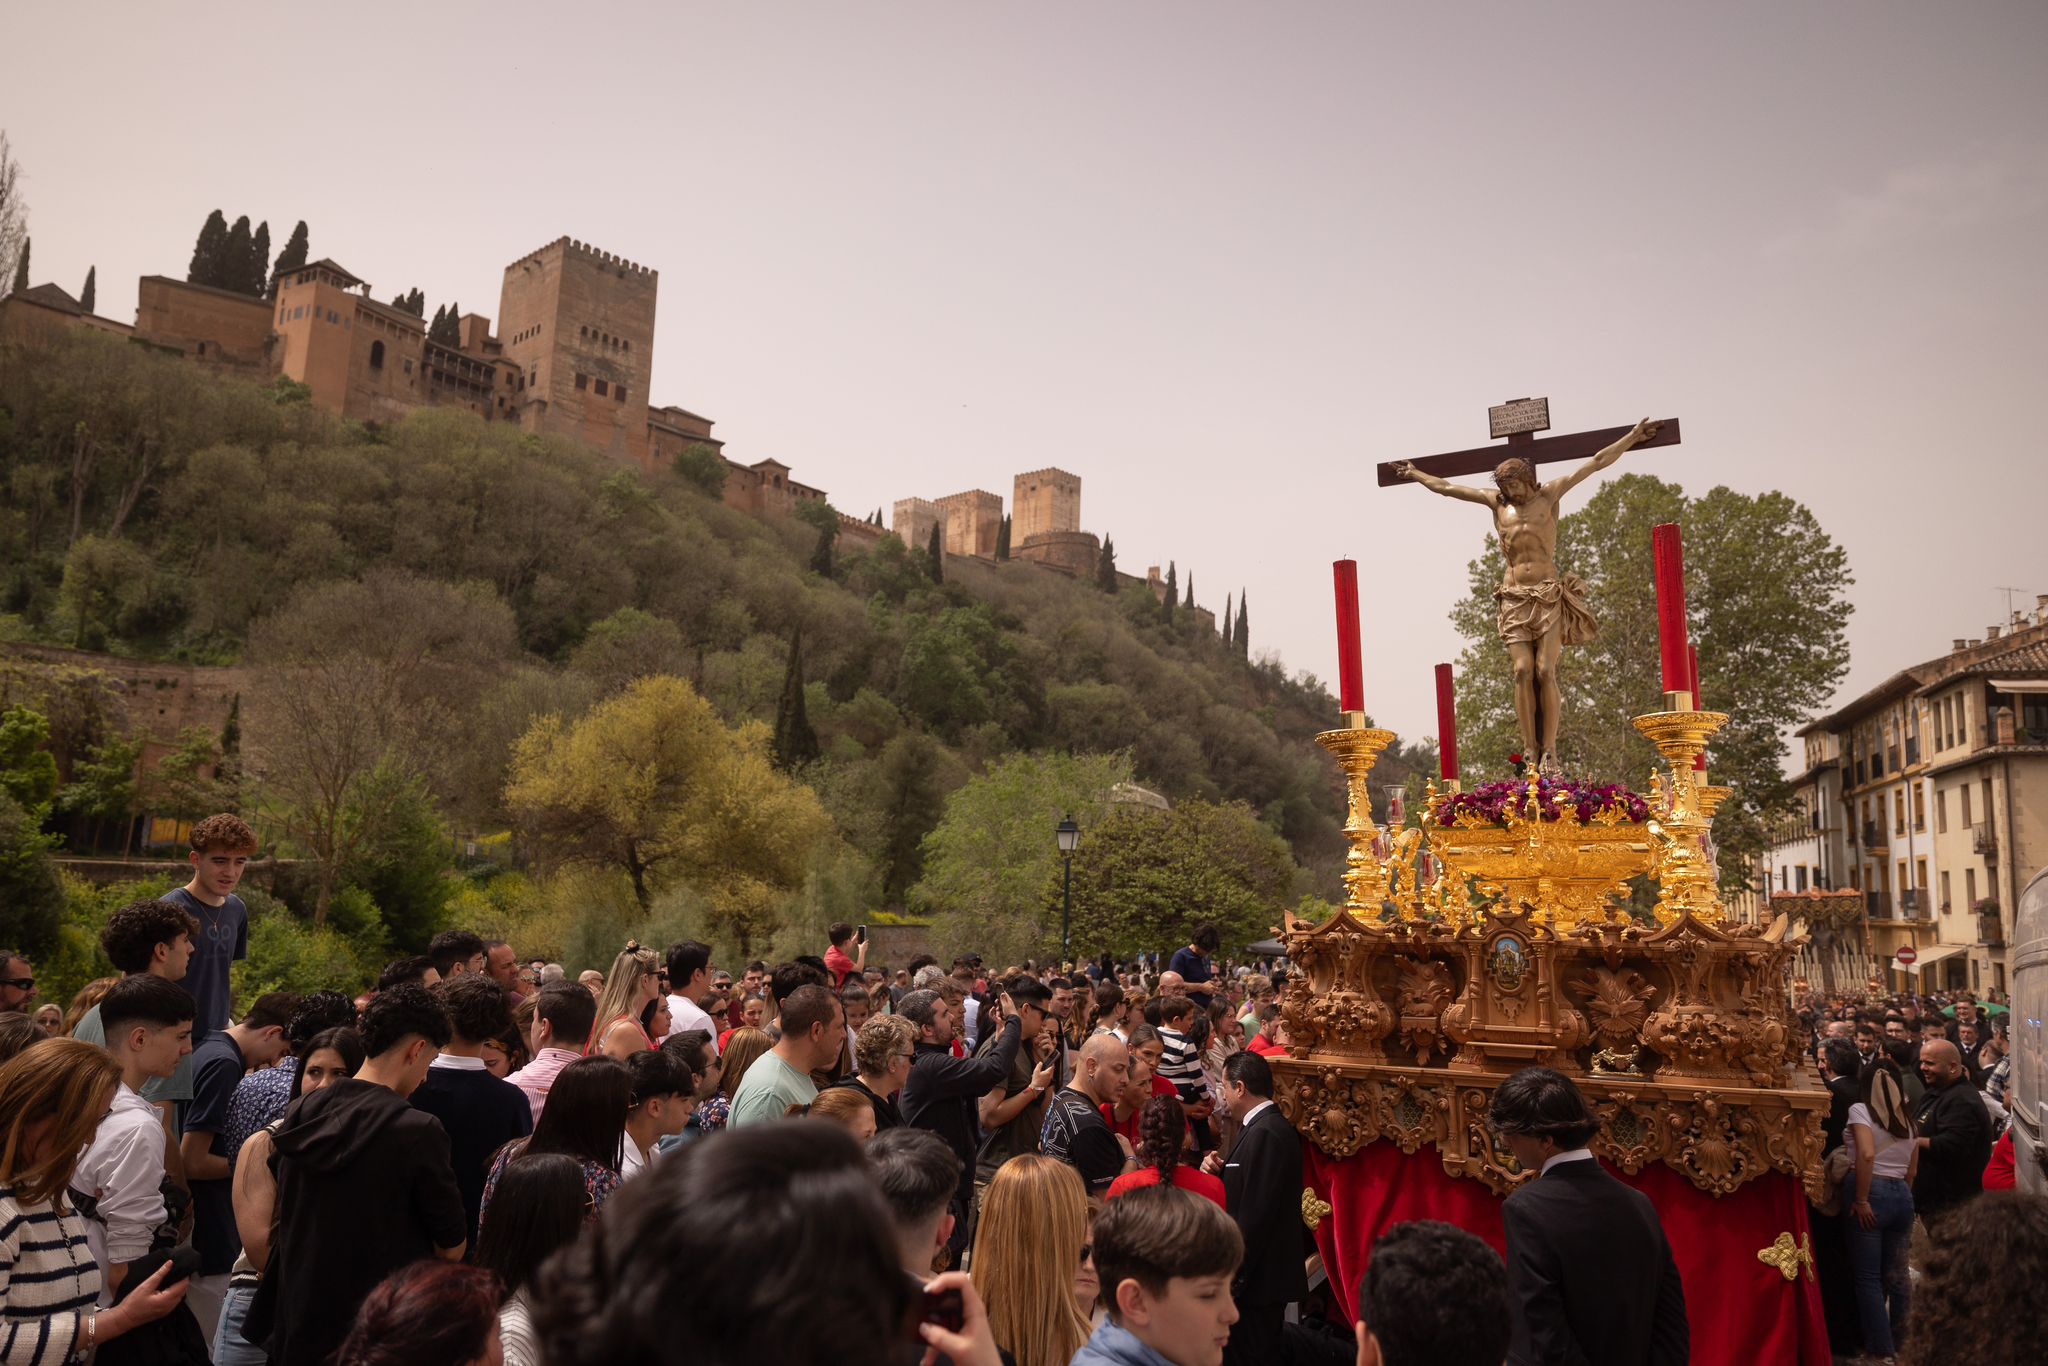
[(123, 1170), (1575, 1155)]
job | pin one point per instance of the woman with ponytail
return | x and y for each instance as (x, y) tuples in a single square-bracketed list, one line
[(1162, 1130), (1881, 1225)]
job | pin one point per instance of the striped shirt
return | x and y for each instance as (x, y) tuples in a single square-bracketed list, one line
[(48, 1278), (1180, 1064)]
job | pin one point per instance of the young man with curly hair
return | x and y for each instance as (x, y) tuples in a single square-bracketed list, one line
[(221, 849), (153, 938)]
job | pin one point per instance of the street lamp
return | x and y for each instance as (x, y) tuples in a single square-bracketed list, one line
[(1069, 836)]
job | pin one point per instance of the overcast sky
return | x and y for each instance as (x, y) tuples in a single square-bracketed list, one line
[(1215, 259)]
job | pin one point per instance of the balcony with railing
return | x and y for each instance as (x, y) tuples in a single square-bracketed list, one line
[(1878, 905), (1985, 840), (1873, 835)]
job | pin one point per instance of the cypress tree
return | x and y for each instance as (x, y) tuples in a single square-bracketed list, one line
[(21, 266), (795, 742), (91, 292), (1003, 540), (207, 251), (231, 269), (1105, 566), (434, 328), (1190, 603), (1167, 603), (1226, 618), (294, 254), (935, 552), (821, 557), (256, 271), (1244, 648)]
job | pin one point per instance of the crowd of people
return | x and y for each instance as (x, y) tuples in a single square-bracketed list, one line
[(484, 1160)]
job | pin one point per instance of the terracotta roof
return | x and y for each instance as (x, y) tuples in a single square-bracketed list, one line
[(324, 263), (2025, 657), (1900, 684), (49, 296)]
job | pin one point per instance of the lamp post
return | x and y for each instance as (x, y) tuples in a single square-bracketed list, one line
[(1069, 836)]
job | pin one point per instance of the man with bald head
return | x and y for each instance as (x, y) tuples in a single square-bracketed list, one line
[(1954, 1134), (1172, 984), (1074, 1131)]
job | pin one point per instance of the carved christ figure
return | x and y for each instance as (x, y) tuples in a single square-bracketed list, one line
[(1541, 610)]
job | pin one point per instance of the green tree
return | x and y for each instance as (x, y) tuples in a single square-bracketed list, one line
[(29, 886), (1766, 593), (653, 785), (104, 787), (1144, 878), (193, 780), (795, 743), (232, 271), (1189, 602), (701, 467), (1002, 540), (935, 554), (909, 792), (1242, 637), (100, 573), (28, 771), (88, 298), (256, 269), (209, 251), (992, 865), (294, 254), (1226, 619), (1172, 597), (21, 267), (402, 861), (447, 327), (1105, 566), (820, 514)]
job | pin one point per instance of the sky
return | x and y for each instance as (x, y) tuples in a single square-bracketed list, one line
[(1216, 259)]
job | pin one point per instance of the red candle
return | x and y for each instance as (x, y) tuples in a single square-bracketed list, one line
[(1692, 657), (1350, 659), (1446, 725), (1669, 556)]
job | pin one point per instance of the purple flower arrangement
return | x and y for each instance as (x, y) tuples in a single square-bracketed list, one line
[(1556, 798)]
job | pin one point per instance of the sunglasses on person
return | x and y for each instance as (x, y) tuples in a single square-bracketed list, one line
[(23, 983)]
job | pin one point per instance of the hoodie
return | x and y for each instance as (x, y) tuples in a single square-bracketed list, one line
[(364, 1187), (1115, 1345)]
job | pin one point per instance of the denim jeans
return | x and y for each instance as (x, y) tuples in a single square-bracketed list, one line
[(1877, 1259), (228, 1347)]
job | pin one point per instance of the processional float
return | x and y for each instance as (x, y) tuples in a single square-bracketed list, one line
[(1495, 935)]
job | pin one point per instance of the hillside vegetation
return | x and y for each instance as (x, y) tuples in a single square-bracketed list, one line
[(426, 605)]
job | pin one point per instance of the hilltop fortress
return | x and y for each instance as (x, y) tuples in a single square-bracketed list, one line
[(573, 357)]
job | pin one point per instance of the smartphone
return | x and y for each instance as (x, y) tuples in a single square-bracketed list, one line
[(946, 1308), (860, 934)]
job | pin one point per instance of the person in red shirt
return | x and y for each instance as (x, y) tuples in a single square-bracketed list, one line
[(1163, 1128), (838, 961), (1125, 1113), (1999, 1173), (1271, 1040)]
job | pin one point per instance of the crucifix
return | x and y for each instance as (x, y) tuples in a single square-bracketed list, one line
[(1542, 610)]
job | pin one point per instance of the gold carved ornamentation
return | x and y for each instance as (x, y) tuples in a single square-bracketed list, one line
[(1422, 991), (1617, 1001), (1314, 1209), (1787, 1255), (1356, 749)]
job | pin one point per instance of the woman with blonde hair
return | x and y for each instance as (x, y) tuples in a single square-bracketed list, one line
[(89, 995), (1027, 1256), (51, 1100), (627, 989)]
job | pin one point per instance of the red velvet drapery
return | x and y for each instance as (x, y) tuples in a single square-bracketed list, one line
[(1741, 1310)]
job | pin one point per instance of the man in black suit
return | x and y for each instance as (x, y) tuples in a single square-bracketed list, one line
[(1590, 1273), (1262, 1191)]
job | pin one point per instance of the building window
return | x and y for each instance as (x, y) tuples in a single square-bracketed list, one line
[(582, 380), (602, 388), (1964, 791), (1945, 903), (376, 355), (1987, 801), (621, 393), (1800, 873), (1919, 806), (1941, 811), (1970, 888), (1920, 873), (408, 365), (1899, 812)]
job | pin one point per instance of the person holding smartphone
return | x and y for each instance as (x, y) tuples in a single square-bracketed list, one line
[(838, 961)]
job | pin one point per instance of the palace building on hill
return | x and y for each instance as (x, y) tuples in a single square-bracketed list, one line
[(572, 356)]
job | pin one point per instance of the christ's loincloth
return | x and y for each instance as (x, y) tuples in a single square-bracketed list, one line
[(1528, 611)]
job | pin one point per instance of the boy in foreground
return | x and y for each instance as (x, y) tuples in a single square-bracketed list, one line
[(1165, 1259)]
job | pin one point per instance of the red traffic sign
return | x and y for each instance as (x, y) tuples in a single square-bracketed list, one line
[(1908, 955)]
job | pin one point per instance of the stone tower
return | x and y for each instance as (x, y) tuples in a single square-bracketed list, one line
[(973, 521), (580, 323), (1042, 501)]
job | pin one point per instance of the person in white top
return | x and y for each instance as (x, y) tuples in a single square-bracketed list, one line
[(689, 982), (1881, 1227), (148, 1023), (662, 1096)]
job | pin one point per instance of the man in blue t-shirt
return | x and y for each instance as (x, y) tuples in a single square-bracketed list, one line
[(221, 849), (1191, 961)]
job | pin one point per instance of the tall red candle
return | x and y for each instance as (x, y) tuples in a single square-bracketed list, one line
[(1692, 659), (1669, 556), (1350, 658), (1446, 725)]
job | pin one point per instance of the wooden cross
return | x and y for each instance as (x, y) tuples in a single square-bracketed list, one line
[(1526, 445)]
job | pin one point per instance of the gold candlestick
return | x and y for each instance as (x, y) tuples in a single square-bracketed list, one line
[(1685, 876), (1357, 748)]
